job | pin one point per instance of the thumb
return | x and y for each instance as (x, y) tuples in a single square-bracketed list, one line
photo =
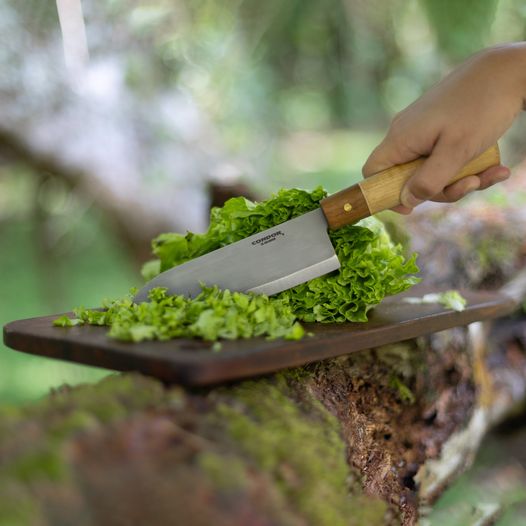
[(435, 173)]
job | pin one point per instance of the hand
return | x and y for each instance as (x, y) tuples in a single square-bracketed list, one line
[(452, 123)]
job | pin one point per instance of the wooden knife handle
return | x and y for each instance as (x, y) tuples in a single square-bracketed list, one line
[(382, 191)]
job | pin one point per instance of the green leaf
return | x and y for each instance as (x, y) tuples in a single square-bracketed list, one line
[(212, 315), (451, 299), (66, 321), (150, 269)]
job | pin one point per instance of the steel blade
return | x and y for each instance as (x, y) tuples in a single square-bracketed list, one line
[(266, 263)]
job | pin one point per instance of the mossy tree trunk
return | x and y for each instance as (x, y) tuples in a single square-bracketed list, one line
[(364, 439)]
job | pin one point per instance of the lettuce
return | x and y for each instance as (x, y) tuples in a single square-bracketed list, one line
[(451, 299), (237, 219), (211, 315), (372, 267)]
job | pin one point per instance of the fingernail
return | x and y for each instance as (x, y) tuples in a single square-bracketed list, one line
[(408, 199)]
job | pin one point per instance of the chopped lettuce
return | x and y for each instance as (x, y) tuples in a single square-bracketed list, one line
[(213, 314), (451, 299), (372, 267), (66, 321)]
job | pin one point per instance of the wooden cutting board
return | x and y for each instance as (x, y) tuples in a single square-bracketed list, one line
[(193, 362)]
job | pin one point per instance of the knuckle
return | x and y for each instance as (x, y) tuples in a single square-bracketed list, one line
[(458, 145), (395, 130), (398, 141)]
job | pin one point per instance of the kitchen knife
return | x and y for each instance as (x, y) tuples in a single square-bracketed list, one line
[(300, 249)]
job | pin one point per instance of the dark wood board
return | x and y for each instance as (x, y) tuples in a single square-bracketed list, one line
[(192, 362)]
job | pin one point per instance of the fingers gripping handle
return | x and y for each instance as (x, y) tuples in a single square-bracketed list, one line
[(382, 191)]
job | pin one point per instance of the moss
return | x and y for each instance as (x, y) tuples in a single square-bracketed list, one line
[(403, 391), (226, 472), (47, 464), (298, 374), (16, 509), (112, 398), (73, 423), (300, 448), (34, 438), (404, 359), (273, 428)]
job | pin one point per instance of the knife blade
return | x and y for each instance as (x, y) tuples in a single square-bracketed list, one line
[(266, 263), (300, 249)]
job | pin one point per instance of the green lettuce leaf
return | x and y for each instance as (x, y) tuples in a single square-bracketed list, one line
[(451, 299), (237, 219), (213, 314), (372, 267)]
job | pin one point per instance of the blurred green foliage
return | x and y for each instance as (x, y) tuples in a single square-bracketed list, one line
[(461, 28), (50, 264)]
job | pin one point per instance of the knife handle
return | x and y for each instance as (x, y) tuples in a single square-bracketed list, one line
[(382, 190)]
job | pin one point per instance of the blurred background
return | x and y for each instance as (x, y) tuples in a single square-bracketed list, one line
[(121, 119)]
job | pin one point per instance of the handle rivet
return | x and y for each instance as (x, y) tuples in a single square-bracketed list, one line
[(347, 207)]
